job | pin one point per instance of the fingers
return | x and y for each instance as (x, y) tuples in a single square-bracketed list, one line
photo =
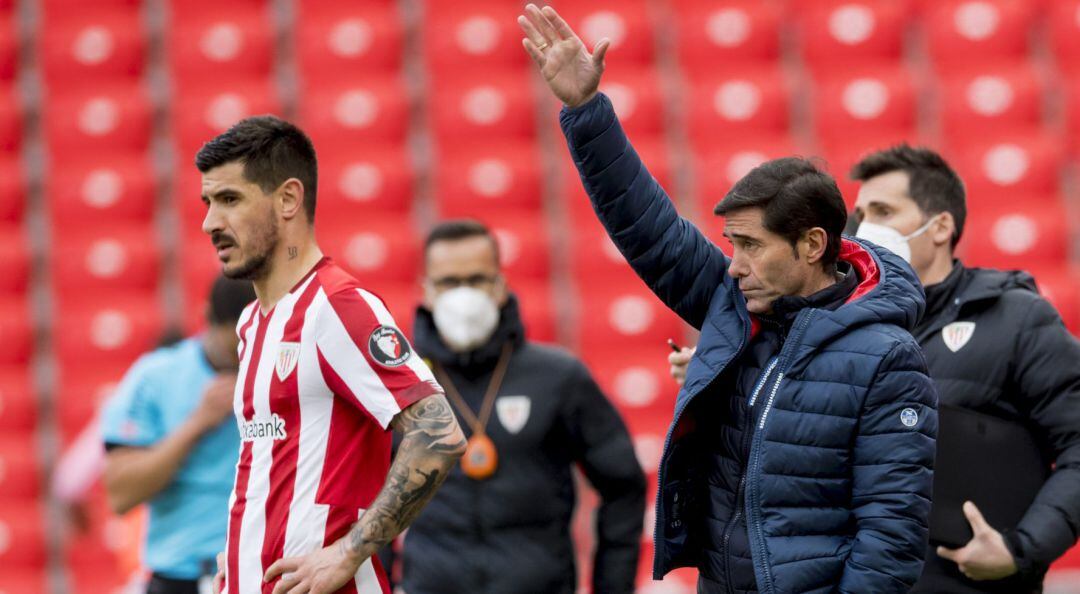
[(542, 24), (978, 523), (534, 52), (561, 28), (600, 51), (950, 554), (530, 31), (279, 567)]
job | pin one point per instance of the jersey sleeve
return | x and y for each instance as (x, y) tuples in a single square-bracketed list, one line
[(364, 357), (131, 416)]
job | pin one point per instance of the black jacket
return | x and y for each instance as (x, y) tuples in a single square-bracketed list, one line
[(1019, 364), (510, 533)]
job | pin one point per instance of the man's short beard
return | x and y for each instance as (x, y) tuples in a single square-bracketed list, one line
[(257, 266)]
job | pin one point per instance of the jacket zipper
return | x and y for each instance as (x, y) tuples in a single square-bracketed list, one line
[(659, 542), (753, 523), (747, 437)]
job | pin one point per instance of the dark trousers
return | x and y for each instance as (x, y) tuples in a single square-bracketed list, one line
[(164, 585)]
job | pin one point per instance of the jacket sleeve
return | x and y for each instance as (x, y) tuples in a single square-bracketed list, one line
[(1047, 374), (672, 256), (892, 471), (601, 445)]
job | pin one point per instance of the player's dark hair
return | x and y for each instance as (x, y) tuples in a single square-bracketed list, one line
[(458, 229), (932, 184), (272, 151), (228, 298), (795, 196)]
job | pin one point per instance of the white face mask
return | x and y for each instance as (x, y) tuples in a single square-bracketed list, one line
[(890, 238), (465, 317)]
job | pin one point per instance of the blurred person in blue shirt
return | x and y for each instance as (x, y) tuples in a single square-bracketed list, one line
[(172, 443)]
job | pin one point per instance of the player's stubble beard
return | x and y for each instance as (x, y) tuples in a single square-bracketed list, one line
[(264, 241)]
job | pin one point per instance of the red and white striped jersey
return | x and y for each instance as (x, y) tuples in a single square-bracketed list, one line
[(321, 376)]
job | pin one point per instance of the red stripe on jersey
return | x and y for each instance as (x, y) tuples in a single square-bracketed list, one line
[(243, 469), (338, 521), (244, 328), (354, 435), (360, 321), (380, 572), (285, 403)]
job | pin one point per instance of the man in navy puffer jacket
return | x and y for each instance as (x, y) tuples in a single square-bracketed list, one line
[(800, 456)]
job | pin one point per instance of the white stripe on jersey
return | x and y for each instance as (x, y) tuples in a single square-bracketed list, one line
[(345, 357), (307, 520), (383, 315)]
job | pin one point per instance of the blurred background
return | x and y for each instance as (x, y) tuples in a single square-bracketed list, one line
[(425, 109)]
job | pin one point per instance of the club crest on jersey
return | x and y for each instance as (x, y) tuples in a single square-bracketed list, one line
[(288, 355), (957, 334), (389, 347), (513, 412)]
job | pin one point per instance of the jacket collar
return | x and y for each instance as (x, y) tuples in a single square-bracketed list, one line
[(476, 362)]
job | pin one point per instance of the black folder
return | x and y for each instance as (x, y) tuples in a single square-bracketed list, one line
[(995, 463)]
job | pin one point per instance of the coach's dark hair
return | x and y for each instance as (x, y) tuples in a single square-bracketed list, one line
[(272, 151), (795, 196), (932, 184), (228, 298), (456, 229)]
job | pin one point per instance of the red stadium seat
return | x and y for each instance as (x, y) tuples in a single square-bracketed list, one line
[(234, 43), (842, 35), (22, 532), (14, 261), (117, 188), (187, 198), (637, 382), (1064, 23), (711, 34), (537, 314), (624, 316), (374, 250), (1061, 287), (347, 38), (81, 394), (1013, 165), (13, 191), (872, 103), (524, 246), (92, 48), (24, 580), (114, 118), (16, 331), (479, 35), (20, 482), (728, 106), (595, 261), (9, 48), (638, 101), (61, 9), (840, 159), (992, 99), (966, 33), (372, 110), (719, 169), (492, 108), (199, 267), (356, 181), (11, 120), (1021, 236), (18, 403), (626, 23), (201, 112), (1072, 114), (106, 332), (489, 177), (101, 259)]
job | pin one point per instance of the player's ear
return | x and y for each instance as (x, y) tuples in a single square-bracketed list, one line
[(291, 197)]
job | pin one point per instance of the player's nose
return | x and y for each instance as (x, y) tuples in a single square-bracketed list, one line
[(212, 221)]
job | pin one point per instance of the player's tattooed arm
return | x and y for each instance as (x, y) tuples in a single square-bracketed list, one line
[(431, 444)]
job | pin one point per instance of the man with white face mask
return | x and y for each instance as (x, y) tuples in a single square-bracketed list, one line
[(501, 522), (993, 346)]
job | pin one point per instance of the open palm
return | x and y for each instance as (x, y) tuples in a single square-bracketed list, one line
[(572, 73)]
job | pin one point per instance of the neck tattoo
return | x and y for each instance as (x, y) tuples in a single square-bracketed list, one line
[(293, 252)]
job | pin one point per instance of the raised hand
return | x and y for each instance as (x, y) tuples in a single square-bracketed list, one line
[(572, 73)]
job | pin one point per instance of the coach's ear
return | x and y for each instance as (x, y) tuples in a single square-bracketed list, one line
[(291, 197)]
